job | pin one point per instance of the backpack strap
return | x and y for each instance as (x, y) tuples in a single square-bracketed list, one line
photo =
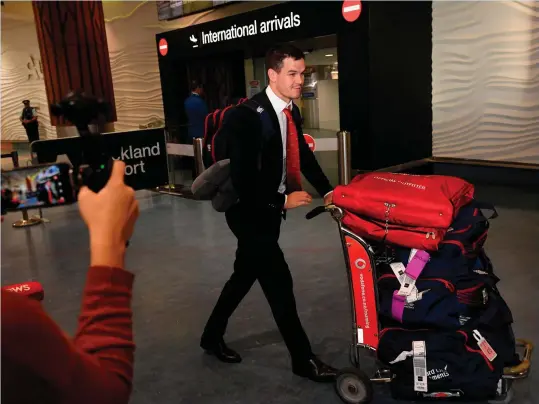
[(217, 128), (222, 115), (267, 124), (206, 127), (209, 134), (214, 117)]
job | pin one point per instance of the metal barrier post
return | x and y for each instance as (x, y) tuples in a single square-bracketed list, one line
[(25, 221), (344, 157), (170, 165), (15, 158), (197, 148), (40, 217)]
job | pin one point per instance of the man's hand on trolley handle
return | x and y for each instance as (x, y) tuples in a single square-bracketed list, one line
[(297, 199)]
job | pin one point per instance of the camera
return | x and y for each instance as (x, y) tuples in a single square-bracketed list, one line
[(144, 152), (81, 109), (48, 185)]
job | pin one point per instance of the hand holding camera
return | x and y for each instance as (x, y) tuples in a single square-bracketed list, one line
[(110, 215)]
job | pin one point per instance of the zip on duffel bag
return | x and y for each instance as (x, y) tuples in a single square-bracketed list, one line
[(461, 252), (421, 238), (405, 200), (461, 364), (428, 238)]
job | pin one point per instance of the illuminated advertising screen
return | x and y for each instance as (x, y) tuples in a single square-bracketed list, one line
[(168, 10)]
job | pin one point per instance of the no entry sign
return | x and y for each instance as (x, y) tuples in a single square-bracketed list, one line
[(163, 46), (351, 10), (310, 141)]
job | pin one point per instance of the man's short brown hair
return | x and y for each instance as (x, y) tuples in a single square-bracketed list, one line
[(278, 53)]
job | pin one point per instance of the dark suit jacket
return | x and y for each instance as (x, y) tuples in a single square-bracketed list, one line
[(258, 187)]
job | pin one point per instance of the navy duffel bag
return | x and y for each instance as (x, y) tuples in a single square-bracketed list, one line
[(436, 302), (466, 363), (461, 251)]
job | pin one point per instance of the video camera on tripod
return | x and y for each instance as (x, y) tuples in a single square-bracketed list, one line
[(51, 183)]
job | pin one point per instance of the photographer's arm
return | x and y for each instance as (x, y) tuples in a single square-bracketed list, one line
[(40, 363), (96, 366)]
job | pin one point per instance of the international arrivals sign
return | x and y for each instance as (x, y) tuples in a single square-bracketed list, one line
[(278, 23), (283, 22)]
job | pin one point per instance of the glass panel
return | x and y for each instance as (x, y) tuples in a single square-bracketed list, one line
[(319, 103)]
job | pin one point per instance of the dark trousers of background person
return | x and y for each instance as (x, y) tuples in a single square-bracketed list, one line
[(259, 257), (32, 131)]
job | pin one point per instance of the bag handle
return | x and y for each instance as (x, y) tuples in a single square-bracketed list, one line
[(477, 219), (487, 206)]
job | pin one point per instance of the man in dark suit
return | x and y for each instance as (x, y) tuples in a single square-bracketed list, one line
[(268, 182)]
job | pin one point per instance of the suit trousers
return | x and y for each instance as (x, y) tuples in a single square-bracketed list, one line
[(259, 257)]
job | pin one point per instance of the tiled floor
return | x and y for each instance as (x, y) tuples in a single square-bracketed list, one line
[(182, 254)]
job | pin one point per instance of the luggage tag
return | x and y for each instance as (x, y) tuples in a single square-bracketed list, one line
[(413, 270), (485, 347), (399, 271), (420, 366)]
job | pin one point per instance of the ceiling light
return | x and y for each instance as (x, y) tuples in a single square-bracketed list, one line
[(329, 55)]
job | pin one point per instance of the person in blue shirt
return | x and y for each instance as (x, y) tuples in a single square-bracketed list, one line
[(196, 111)]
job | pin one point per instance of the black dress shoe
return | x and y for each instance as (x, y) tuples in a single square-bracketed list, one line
[(220, 351), (316, 370)]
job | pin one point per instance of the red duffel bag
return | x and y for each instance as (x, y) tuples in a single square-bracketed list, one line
[(413, 211)]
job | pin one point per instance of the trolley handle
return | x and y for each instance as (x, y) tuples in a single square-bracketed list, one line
[(315, 212)]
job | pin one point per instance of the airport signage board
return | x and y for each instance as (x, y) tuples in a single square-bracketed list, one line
[(285, 22), (252, 28), (143, 151)]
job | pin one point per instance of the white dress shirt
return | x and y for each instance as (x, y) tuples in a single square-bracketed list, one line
[(278, 106)]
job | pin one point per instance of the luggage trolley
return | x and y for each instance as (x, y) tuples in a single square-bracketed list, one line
[(352, 384)]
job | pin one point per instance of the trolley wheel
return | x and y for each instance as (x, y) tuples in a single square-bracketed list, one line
[(504, 399), (353, 386)]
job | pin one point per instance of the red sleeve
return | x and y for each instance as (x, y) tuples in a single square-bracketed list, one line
[(94, 367)]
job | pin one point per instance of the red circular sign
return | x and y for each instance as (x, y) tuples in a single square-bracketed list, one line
[(310, 141), (163, 46), (351, 9)]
